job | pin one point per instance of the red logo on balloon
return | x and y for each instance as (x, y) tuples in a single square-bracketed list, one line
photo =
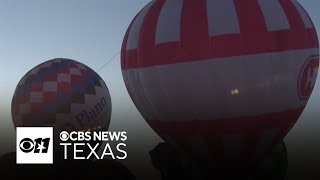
[(308, 77)]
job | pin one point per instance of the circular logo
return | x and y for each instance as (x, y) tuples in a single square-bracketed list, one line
[(308, 77), (64, 136), (26, 145)]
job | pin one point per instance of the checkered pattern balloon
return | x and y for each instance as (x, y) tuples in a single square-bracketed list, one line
[(62, 93)]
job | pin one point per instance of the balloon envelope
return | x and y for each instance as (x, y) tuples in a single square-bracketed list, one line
[(223, 80), (62, 93)]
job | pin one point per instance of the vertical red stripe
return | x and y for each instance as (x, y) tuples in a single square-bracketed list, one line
[(124, 46), (312, 34), (295, 20), (194, 30), (312, 38), (252, 25), (146, 42), (297, 34)]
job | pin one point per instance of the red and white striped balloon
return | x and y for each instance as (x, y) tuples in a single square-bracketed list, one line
[(224, 79)]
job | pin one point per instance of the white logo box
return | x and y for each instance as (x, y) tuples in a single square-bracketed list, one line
[(32, 157)]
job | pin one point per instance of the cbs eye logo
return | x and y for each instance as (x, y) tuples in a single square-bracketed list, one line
[(34, 145), (38, 145)]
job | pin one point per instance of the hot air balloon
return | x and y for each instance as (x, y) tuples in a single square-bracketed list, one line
[(64, 94), (224, 81)]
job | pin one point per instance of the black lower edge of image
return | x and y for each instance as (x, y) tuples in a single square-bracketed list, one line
[(170, 164)]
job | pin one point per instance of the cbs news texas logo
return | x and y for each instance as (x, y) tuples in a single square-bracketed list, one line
[(34, 145)]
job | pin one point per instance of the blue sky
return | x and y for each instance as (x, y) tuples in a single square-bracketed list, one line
[(91, 32)]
